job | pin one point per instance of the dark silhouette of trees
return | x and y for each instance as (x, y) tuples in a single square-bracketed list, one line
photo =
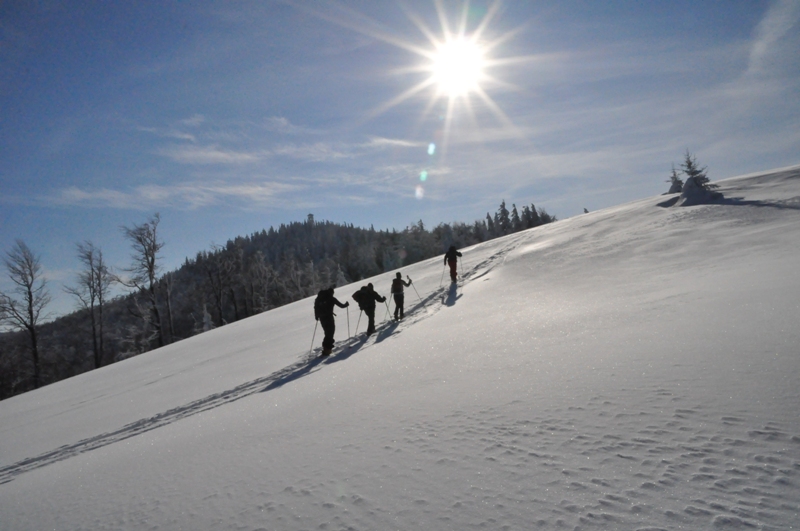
[(23, 309), (245, 276)]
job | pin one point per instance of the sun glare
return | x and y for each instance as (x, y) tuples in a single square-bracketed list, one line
[(458, 67)]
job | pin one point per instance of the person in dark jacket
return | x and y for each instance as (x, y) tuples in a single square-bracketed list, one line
[(323, 312), (451, 259), (397, 291), (366, 298)]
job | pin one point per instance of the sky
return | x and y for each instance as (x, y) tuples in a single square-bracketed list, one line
[(228, 118)]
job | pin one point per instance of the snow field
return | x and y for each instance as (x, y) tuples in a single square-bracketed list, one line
[(633, 368)]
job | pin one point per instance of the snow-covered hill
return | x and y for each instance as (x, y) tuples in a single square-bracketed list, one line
[(633, 368)]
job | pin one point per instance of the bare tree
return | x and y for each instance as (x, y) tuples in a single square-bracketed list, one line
[(23, 309), (219, 272), (144, 269), (169, 284), (91, 291)]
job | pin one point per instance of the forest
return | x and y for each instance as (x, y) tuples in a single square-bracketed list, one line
[(248, 275)]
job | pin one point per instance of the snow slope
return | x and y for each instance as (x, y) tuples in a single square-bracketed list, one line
[(632, 368)]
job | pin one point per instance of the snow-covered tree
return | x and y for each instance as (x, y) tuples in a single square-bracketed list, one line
[(341, 280), (516, 222), (503, 219), (676, 183), (694, 172), (490, 226)]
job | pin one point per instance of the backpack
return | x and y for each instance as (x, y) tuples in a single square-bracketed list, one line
[(397, 285), (362, 297), (319, 305), (357, 297)]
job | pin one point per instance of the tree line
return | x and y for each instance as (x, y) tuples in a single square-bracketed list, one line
[(246, 276)]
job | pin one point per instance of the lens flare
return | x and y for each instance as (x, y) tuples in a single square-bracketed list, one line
[(419, 193), (431, 148), (423, 176)]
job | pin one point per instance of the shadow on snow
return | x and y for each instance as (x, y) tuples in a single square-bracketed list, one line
[(307, 364)]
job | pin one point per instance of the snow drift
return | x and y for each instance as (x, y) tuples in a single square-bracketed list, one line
[(632, 368)]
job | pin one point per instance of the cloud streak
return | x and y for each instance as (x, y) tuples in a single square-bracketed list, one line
[(186, 196), (778, 23), (209, 155)]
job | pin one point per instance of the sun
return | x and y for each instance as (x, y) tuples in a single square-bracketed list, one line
[(457, 67), (457, 61)]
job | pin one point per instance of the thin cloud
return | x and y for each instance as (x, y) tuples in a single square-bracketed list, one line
[(318, 152), (186, 196), (280, 124), (776, 25), (209, 155), (381, 142), (168, 133), (195, 121)]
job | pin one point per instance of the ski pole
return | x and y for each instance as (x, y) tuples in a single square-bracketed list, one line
[(348, 322), (415, 288), (358, 322), (442, 279), (312, 337), (387, 311)]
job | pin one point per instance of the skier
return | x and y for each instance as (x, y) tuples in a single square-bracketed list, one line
[(323, 312), (451, 258), (397, 291), (366, 298)]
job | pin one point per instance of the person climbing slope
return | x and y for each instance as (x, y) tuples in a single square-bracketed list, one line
[(399, 297), (323, 312), (451, 259), (366, 298)]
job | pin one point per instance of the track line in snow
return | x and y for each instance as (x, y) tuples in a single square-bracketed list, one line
[(307, 363)]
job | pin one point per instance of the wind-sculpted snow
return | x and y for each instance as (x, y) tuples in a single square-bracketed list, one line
[(633, 368), (666, 461)]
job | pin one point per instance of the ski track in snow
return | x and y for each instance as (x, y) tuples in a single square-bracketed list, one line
[(307, 364)]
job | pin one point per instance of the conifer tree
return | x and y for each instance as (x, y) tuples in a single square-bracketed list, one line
[(516, 222), (504, 219), (490, 226), (694, 172), (676, 184)]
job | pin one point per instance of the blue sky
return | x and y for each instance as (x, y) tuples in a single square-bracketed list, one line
[(230, 117)]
